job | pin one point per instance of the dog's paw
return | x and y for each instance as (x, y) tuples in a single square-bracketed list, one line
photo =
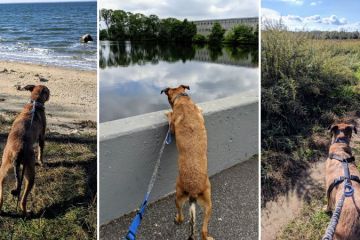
[(210, 238), (327, 210), (179, 219), (168, 114)]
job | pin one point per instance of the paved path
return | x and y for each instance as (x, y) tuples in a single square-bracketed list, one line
[(235, 211)]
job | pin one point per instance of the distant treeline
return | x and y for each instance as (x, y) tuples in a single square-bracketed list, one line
[(121, 25), (333, 35)]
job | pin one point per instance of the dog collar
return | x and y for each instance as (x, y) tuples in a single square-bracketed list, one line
[(341, 159), (180, 95), (341, 140), (37, 105)]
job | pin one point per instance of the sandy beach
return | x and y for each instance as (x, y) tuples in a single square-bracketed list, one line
[(72, 106)]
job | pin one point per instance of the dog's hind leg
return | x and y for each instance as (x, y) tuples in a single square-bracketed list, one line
[(180, 199), (16, 191), (29, 177), (205, 202), (4, 169)]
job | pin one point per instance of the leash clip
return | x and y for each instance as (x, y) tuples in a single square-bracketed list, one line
[(348, 189)]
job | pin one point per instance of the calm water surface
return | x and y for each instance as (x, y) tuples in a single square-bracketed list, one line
[(49, 33), (132, 75)]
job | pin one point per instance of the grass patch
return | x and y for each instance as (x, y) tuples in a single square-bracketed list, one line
[(310, 225), (63, 200)]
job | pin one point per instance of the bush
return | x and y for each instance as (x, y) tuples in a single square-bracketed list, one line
[(198, 38), (103, 35), (217, 34), (242, 34)]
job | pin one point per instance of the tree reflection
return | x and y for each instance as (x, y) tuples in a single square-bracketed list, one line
[(114, 54)]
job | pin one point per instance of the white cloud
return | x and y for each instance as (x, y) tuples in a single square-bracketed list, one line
[(297, 2), (315, 3), (313, 19), (315, 22), (190, 9), (334, 20)]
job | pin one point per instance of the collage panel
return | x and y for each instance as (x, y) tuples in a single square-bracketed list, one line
[(310, 103), (179, 102), (191, 119), (48, 120)]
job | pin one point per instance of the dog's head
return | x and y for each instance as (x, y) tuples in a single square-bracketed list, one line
[(39, 93), (172, 93), (342, 132)]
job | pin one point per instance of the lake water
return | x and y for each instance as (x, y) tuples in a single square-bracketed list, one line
[(49, 33), (132, 75)]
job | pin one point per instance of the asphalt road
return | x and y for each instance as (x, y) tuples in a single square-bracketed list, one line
[(235, 211)]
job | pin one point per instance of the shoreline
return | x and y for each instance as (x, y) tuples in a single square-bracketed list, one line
[(45, 65), (73, 94)]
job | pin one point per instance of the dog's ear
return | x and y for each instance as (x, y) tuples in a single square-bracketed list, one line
[(333, 128), (165, 90), (29, 87), (46, 91), (185, 87), (354, 129)]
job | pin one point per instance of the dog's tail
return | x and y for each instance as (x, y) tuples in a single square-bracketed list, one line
[(192, 212)]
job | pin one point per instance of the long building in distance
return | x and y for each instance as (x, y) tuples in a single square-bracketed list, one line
[(204, 26)]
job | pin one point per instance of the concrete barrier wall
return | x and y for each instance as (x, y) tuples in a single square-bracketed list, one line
[(129, 148)]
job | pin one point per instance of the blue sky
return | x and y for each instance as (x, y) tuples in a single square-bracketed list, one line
[(314, 14)]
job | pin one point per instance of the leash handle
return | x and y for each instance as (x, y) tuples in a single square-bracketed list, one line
[(131, 234)]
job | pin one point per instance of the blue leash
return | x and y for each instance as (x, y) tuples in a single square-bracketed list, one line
[(131, 235)]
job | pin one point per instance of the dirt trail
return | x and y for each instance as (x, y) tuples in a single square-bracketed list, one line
[(277, 214)]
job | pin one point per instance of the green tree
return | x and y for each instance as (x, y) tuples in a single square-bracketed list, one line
[(119, 20), (105, 15), (103, 34), (241, 34), (217, 34)]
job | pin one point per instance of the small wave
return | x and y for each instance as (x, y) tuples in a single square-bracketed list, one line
[(22, 38), (52, 29)]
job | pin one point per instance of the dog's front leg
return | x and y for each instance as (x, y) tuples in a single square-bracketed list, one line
[(171, 121), (41, 150)]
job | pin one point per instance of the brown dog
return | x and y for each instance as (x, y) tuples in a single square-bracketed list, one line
[(349, 223), (188, 125), (27, 130)]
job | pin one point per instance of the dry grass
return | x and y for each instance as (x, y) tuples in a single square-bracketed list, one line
[(63, 200)]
